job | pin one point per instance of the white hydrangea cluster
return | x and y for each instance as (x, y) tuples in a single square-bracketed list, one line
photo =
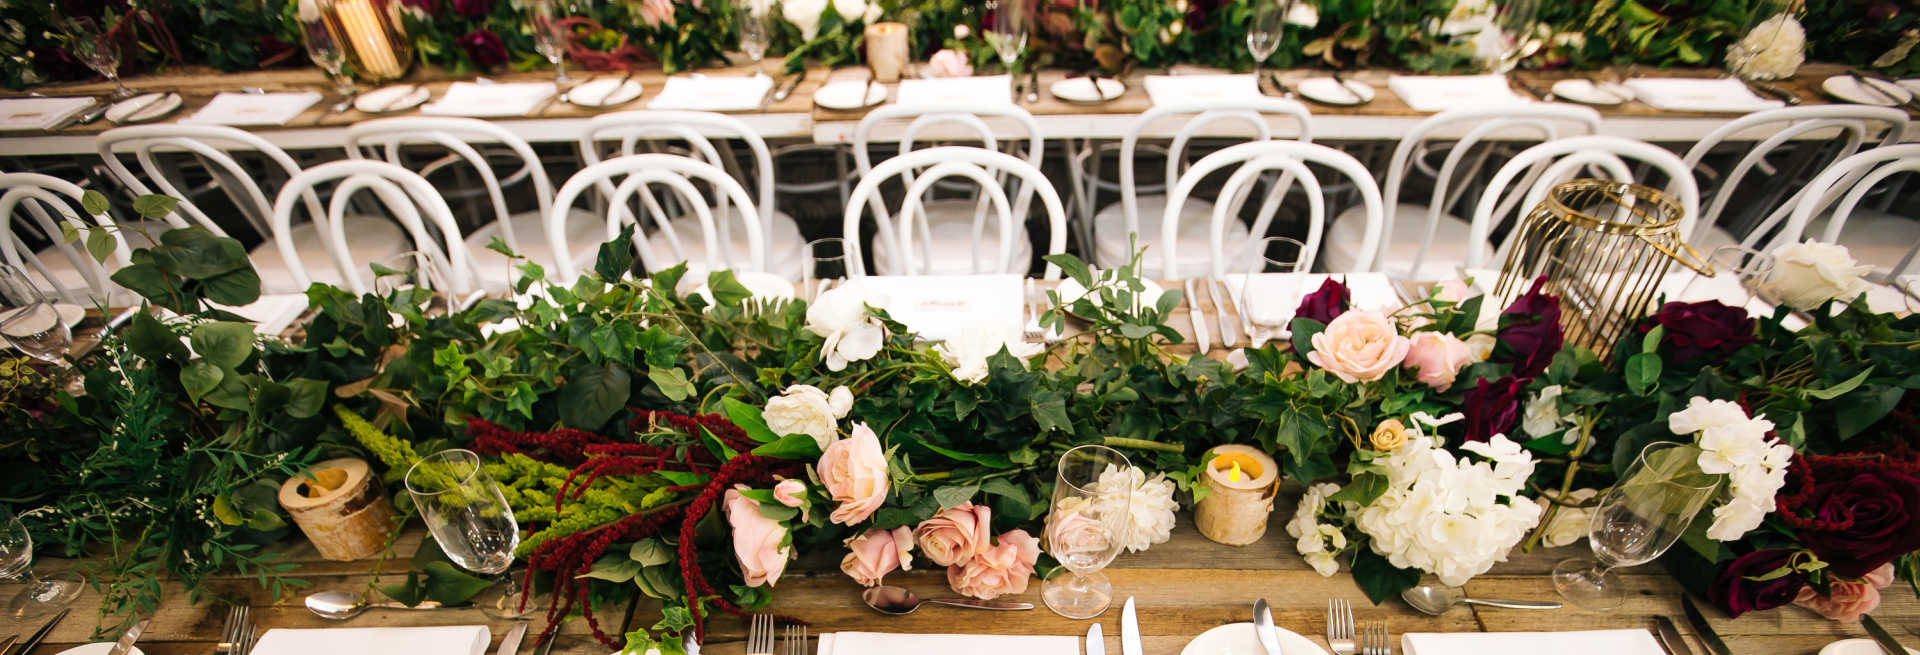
[(1735, 445), (1150, 504), (1449, 516), (1319, 543), (1773, 50)]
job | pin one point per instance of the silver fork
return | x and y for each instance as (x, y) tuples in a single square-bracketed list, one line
[(1340, 627), (760, 635), (230, 631), (796, 641), (1373, 639)]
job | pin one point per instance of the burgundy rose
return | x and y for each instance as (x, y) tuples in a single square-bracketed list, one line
[(473, 8), (1883, 10), (1529, 334), (1492, 408), (1873, 517), (483, 49), (1737, 593), (428, 7), (1699, 328), (1325, 304)]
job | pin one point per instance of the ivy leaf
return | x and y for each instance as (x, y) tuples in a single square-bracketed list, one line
[(94, 202), (198, 254), (451, 586), (496, 244), (674, 619), (671, 381), (1303, 331), (521, 399), (1643, 372), (236, 288), (616, 256), (1364, 489), (1050, 411), (307, 396), (592, 394), (150, 339), (100, 243), (409, 593), (749, 419), (224, 343), (152, 206), (1381, 580), (1074, 268), (650, 552), (726, 289), (148, 280)]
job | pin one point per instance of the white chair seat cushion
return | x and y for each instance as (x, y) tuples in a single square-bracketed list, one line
[(951, 250), (786, 254), (1193, 253), (494, 272), (369, 239), (1874, 238), (1340, 249)]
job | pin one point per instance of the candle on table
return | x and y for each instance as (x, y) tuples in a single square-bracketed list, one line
[(341, 507), (1241, 481), (887, 51)]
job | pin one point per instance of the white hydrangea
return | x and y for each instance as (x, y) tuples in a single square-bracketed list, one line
[(1543, 413), (1150, 504), (1774, 49), (1450, 516), (1318, 543), (1737, 446)]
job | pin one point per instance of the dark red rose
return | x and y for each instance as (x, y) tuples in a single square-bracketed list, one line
[(483, 49), (428, 7), (1883, 10), (1326, 304), (1699, 328), (1492, 408), (473, 8), (1873, 518), (1529, 334), (1738, 594)]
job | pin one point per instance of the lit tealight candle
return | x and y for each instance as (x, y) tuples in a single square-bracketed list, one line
[(1241, 481)]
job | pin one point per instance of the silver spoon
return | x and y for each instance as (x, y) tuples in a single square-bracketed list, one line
[(343, 605), (1435, 600), (900, 601)]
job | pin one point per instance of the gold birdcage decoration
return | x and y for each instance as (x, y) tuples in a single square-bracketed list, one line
[(1604, 248), (372, 34)]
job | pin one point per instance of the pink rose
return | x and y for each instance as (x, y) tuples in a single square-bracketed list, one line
[(854, 471), (955, 534), (1847, 600), (949, 63), (756, 540), (792, 493), (1453, 291), (1070, 530), (997, 570), (878, 552), (1359, 346), (1438, 356), (657, 12)]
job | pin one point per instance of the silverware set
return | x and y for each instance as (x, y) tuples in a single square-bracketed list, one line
[(237, 637), (764, 637), (1347, 638), (33, 640)]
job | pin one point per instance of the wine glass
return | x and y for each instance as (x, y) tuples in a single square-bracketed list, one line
[(1009, 34), (327, 54), (548, 38), (1514, 30), (1278, 294), (755, 30), (35, 325), (1264, 31), (1637, 520), (829, 262), (1748, 266), (470, 519), (94, 47), (16, 563), (1086, 528)]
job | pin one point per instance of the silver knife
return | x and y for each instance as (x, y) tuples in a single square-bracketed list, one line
[(510, 644), (1701, 628), (1199, 323), (787, 89), (1881, 637), (1263, 627), (1669, 636), (131, 635), (1129, 630), (1096, 641), (1218, 290)]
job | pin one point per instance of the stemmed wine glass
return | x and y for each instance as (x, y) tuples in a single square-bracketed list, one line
[(828, 261), (1086, 528), (470, 519), (1515, 21), (1264, 32), (327, 54), (35, 326), (94, 47), (755, 30), (1009, 34), (16, 563), (547, 37), (1637, 520), (1281, 293)]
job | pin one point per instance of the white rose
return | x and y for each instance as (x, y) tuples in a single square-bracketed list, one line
[(961, 31), (1810, 273), (841, 400), (1774, 49), (1543, 413), (805, 409), (840, 315), (850, 9), (804, 14), (1303, 14), (967, 352)]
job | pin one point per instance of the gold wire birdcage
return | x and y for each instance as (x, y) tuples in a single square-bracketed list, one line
[(1604, 247)]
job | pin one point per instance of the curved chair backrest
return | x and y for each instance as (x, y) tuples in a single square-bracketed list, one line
[(969, 120), (404, 193), (697, 129), (1848, 181), (1569, 156), (676, 173), (386, 138), (1856, 123), (213, 145), (42, 196), (1252, 111), (1257, 157), (985, 168), (1547, 121)]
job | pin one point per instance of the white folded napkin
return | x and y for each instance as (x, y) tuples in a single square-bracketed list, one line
[(1181, 89), (39, 113), (702, 93), (939, 307), (1723, 94), (878, 643), (439, 640), (253, 108), (471, 99), (1583, 642), (964, 91), (1444, 92)]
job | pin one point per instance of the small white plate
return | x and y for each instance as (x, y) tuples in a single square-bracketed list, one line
[(1238, 639), (763, 286), (142, 108), (399, 97), (604, 93), (1328, 92), (1587, 93), (1070, 291), (1858, 647), (847, 95), (1846, 88), (1080, 90), (101, 648)]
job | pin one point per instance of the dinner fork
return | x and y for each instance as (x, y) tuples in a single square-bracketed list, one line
[(233, 634), (796, 642), (1373, 639), (1340, 627), (760, 635)]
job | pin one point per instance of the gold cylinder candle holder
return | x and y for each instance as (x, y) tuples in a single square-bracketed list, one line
[(887, 51), (341, 507), (1241, 481), (371, 33)]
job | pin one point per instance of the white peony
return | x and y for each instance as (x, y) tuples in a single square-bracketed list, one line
[(1569, 524), (1150, 504), (1737, 446), (1810, 273), (967, 352), (1543, 413), (804, 14), (805, 409), (840, 315), (1774, 49)]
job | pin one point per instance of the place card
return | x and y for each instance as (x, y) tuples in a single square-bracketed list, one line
[(940, 307), (472, 99), (253, 108), (957, 91), (1721, 94), (1186, 89), (39, 113), (1444, 92), (703, 93)]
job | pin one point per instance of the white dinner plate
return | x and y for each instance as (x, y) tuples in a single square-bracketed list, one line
[(1846, 88), (763, 286), (1080, 90), (101, 648), (604, 92), (1587, 93), (1238, 639), (70, 314), (142, 108), (847, 95), (1328, 92), (1857, 647), (1070, 291), (398, 97)]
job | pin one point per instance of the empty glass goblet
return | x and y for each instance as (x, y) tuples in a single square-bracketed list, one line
[(1086, 527), (42, 595), (469, 517), (1269, 300), (756, 29), (94, 46), (1637, 520), (548, 37)]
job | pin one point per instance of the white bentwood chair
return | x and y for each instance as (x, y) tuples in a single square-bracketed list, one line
[(1840, 131), (634, 175), (951, 227), (1843, 185), (986, 168), (1255, 159), (65, 268), (403, 193), (1573, 157)]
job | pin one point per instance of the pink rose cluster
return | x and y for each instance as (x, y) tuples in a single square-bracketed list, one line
[(978, 565), (853, 472), (1847, 600), (1364, 345)]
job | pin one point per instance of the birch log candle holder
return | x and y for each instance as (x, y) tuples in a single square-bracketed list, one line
[(887, 51), (341, 507), (1241, 483)]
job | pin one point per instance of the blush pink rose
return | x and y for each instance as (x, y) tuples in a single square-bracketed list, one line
[(1454, 291), (1847, 600), (1073, 531), (1438, 356), (1359, 346), (873, 555), (757, 540), (792, 493), (997, 570), (949, 63), (854, 471), (657, 12), (955, 534)]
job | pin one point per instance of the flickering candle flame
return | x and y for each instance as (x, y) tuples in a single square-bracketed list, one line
[(1234, 474)]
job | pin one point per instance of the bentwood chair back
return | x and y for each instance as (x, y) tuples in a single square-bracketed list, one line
[(634, 175), (1606, 157), (411, 200), (983, 167), (949, 225), (1838, 131), (1290, 158), (1842, 186), (66, 268)]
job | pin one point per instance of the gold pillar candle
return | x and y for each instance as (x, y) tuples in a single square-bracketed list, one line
[(887, 51), (341, 507), (371, 34), (1241, 483)]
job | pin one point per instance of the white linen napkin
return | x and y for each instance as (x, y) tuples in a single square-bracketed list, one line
[(39, 113), (1583, 642), (939, 307), (879, 643), (963, 91), (1444, 92), (471, 99), (703, 93), (1181, 89), (253, 108), (1723, 94), (439, 640)]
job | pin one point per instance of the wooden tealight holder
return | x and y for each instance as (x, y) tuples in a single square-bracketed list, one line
[(1243, 481), (341, 507)]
